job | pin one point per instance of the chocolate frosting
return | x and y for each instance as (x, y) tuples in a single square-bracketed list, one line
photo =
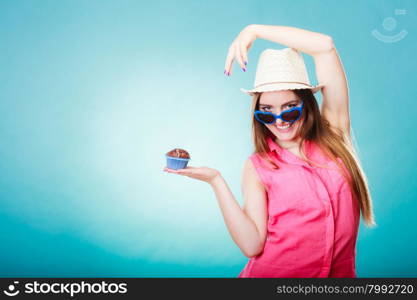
[(177, 152)]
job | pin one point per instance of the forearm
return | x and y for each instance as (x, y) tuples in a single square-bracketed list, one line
[(303, 40), (241, 227)]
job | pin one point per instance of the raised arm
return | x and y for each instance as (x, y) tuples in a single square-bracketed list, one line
[(329, 69), (335, 104)]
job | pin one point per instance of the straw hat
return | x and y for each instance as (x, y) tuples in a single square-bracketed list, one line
[(281, 70)]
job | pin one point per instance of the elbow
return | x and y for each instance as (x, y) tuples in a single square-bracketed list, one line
[(250, 253), (324, 44), (328, 43)]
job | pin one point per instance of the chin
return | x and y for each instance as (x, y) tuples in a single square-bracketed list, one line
[(290, 136), (284, 137)]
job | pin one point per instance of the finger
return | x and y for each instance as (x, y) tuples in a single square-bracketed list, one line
[(184, 171), (170, 170), (239, 58), (229, 61), (244, 54)]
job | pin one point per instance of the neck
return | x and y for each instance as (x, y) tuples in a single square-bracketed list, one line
[(289, 144)]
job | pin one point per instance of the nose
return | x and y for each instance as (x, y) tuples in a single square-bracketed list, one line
[(281, 121)]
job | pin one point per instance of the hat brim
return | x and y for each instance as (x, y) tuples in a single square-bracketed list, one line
[(282, 87)]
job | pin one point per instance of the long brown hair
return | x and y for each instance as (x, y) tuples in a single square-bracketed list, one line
[(331, 141)]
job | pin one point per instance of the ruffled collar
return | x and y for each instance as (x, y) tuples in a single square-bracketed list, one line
[(287, 155)]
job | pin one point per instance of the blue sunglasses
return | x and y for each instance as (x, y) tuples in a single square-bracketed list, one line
[(291, 115)]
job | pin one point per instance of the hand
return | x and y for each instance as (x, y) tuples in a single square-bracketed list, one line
[(239, 48), (201, 173)]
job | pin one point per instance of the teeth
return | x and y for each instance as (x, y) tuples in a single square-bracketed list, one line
[(284, 127)]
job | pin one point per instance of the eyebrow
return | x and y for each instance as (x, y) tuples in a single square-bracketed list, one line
[(268, 105)]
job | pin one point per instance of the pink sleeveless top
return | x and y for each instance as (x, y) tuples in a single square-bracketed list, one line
[(313, 218)]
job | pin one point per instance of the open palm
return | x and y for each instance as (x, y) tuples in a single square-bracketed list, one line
[(200, 173)]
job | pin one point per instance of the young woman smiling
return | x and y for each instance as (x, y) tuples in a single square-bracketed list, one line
[(303, 186)]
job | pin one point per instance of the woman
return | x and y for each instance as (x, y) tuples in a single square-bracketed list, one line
[(303, 186)]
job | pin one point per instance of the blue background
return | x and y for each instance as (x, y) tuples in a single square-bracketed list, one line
[(94, 93)]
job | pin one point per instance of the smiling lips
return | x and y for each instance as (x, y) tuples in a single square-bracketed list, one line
[(286, 126)]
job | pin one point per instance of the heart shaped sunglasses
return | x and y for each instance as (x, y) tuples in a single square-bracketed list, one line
[(291, 115)]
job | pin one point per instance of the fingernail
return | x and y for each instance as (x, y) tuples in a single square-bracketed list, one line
[(224, 72), (246, 63), (244, 69), (228, 73)]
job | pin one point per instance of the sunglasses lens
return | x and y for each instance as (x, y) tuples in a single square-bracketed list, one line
[(291, 116), (266, 118)]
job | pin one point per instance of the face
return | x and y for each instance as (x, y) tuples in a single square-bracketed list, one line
[(276, 102)]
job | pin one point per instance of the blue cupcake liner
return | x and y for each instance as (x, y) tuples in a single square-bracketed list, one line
[(176, 163)]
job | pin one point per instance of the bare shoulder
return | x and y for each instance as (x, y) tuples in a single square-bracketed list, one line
[(250, 173), (248, 166)]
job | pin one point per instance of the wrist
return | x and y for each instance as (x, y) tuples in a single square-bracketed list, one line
[(216, 179), (254, 29)]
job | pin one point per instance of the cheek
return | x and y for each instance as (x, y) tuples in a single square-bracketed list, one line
[(298, 125), (271, 127)]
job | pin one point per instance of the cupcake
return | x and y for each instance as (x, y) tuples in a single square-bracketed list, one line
[(177, 159)]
